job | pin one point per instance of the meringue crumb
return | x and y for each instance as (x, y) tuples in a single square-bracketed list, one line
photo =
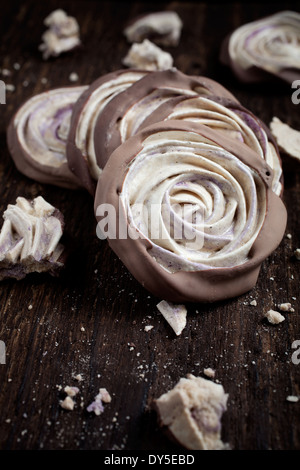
[(209, 372), (105, 396), (274, 317), (148, 327), (10, 87), (297, 253), (292, 398), (78, 377), (71, 391), (286, 307), (253, 302), (73, 77), (30, 307), (67, 404), (289, 236)]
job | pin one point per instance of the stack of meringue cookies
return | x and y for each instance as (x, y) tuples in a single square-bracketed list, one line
[(170, 152)]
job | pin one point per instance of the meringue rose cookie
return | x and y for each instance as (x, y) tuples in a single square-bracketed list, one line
[(125, 114), (80, 146), (37, 136), (265, 48), (30, 239), (194, 212), (228, 117)]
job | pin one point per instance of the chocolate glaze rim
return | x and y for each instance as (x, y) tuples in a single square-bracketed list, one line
[(204, 286), (107, 135), (76, 160), (46, 174)]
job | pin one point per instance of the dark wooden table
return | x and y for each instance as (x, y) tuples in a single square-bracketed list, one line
[(91, 320)]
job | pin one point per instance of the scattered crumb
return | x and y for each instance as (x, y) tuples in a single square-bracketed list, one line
[(274, 317), (286, 307), (82, 328), (105, 396), (67, 404), (78, 377), (289, 236), (297, 253), (44, 80), (16, 66), (73, 77), (6, 72), (96, 406), (209, 372), (30, 307), (25, 83), (148, 327), (71, 391), (292, 398), (10, 87), (175, 314), (253, 302)]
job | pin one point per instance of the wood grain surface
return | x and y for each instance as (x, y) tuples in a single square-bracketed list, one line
[(91, 319)]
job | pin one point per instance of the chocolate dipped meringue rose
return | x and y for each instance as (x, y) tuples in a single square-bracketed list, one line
[(265, 48), (37, 136), (80, 151), (230, 118), (189, 211), (125, 114)]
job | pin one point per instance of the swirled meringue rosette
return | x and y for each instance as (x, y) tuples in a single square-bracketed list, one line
[(195, 211), (37, 136), (264, 48), (228, 117), (125, 114), (80, 147)]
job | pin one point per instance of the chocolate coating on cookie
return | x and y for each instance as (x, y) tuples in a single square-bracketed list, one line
[(196, 164), (80, 146), (124, 114)]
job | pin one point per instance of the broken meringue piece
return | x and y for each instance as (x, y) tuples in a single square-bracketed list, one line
[(97, 405), (192, 413), (163, 28), (147, 56), (274, 317), (287, 138), (30, 239), (62, 34), (175, 314)]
